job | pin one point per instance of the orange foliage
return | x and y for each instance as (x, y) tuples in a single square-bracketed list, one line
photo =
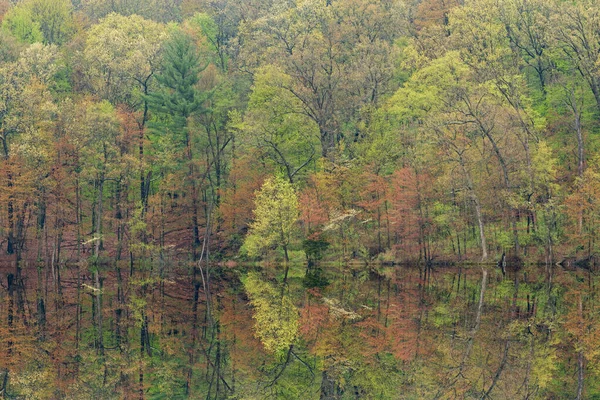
[(313, 211), (408, 217), (433, 12), (402, 330), (373, 191), (237, 200), (130, 129), (373, 335), (313, 317), (4, 6), (245, 349)]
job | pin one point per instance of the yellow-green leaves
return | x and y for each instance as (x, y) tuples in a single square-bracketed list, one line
[(40, 62), (19, 22), (427, 87), (275, 316), (50, 21), (123, 53), (276, 125), (480, 36), (275, 215)]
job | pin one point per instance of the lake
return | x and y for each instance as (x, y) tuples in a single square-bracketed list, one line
[(339, 331)]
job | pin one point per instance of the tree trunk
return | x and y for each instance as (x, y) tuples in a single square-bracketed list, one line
[(475, 199), (329, 388)]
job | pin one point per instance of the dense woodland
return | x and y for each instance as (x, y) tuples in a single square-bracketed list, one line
[(405, 131), (146, 140)]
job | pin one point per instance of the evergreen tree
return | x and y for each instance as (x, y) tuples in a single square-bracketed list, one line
[(177, 100), (178, 96)]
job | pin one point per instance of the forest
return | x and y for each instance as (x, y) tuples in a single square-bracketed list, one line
[(333, 199)]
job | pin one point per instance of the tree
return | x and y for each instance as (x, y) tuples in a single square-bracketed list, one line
[(276, 317), (319, 46), (25, 105), (577, 34), (237, 200), (177, 95), (582, 207), (176, 100), (19, 22), (529, 33), (157, 10), (433, 12), (101, 162), (55, 18), (430, 101), (123, 54), (50, 21), (274, 124), (275, 217)]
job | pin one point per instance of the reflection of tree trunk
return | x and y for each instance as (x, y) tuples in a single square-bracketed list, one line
[(477, 319), (10, 281), (498, 371), (4, 384), (10, 246), (40, 304), (471, 339), (56, 257), (41, 308), (191, 351), (144, 347), (514, 316), (580, 358), (529, 365), (119, 337), (97, 312), (580, 365), (19, 287), (329, 388)]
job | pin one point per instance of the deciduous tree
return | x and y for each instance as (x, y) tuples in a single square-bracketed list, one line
[(275, 217)]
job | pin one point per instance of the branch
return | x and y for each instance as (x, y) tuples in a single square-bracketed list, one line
[(304, 362), (305, 163), (287, 361), (498, 372)]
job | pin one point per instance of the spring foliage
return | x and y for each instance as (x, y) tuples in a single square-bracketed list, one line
[(275, 315), (275, 217)]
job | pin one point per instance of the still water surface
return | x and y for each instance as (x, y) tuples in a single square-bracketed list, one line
[(342, 332)]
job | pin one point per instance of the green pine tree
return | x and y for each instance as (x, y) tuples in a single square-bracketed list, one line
[(178, 96), (175, 102)]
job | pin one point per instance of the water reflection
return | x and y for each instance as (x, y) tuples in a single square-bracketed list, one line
[(332, 332)]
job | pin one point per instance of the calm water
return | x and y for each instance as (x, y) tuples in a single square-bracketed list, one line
[(345, 332)]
